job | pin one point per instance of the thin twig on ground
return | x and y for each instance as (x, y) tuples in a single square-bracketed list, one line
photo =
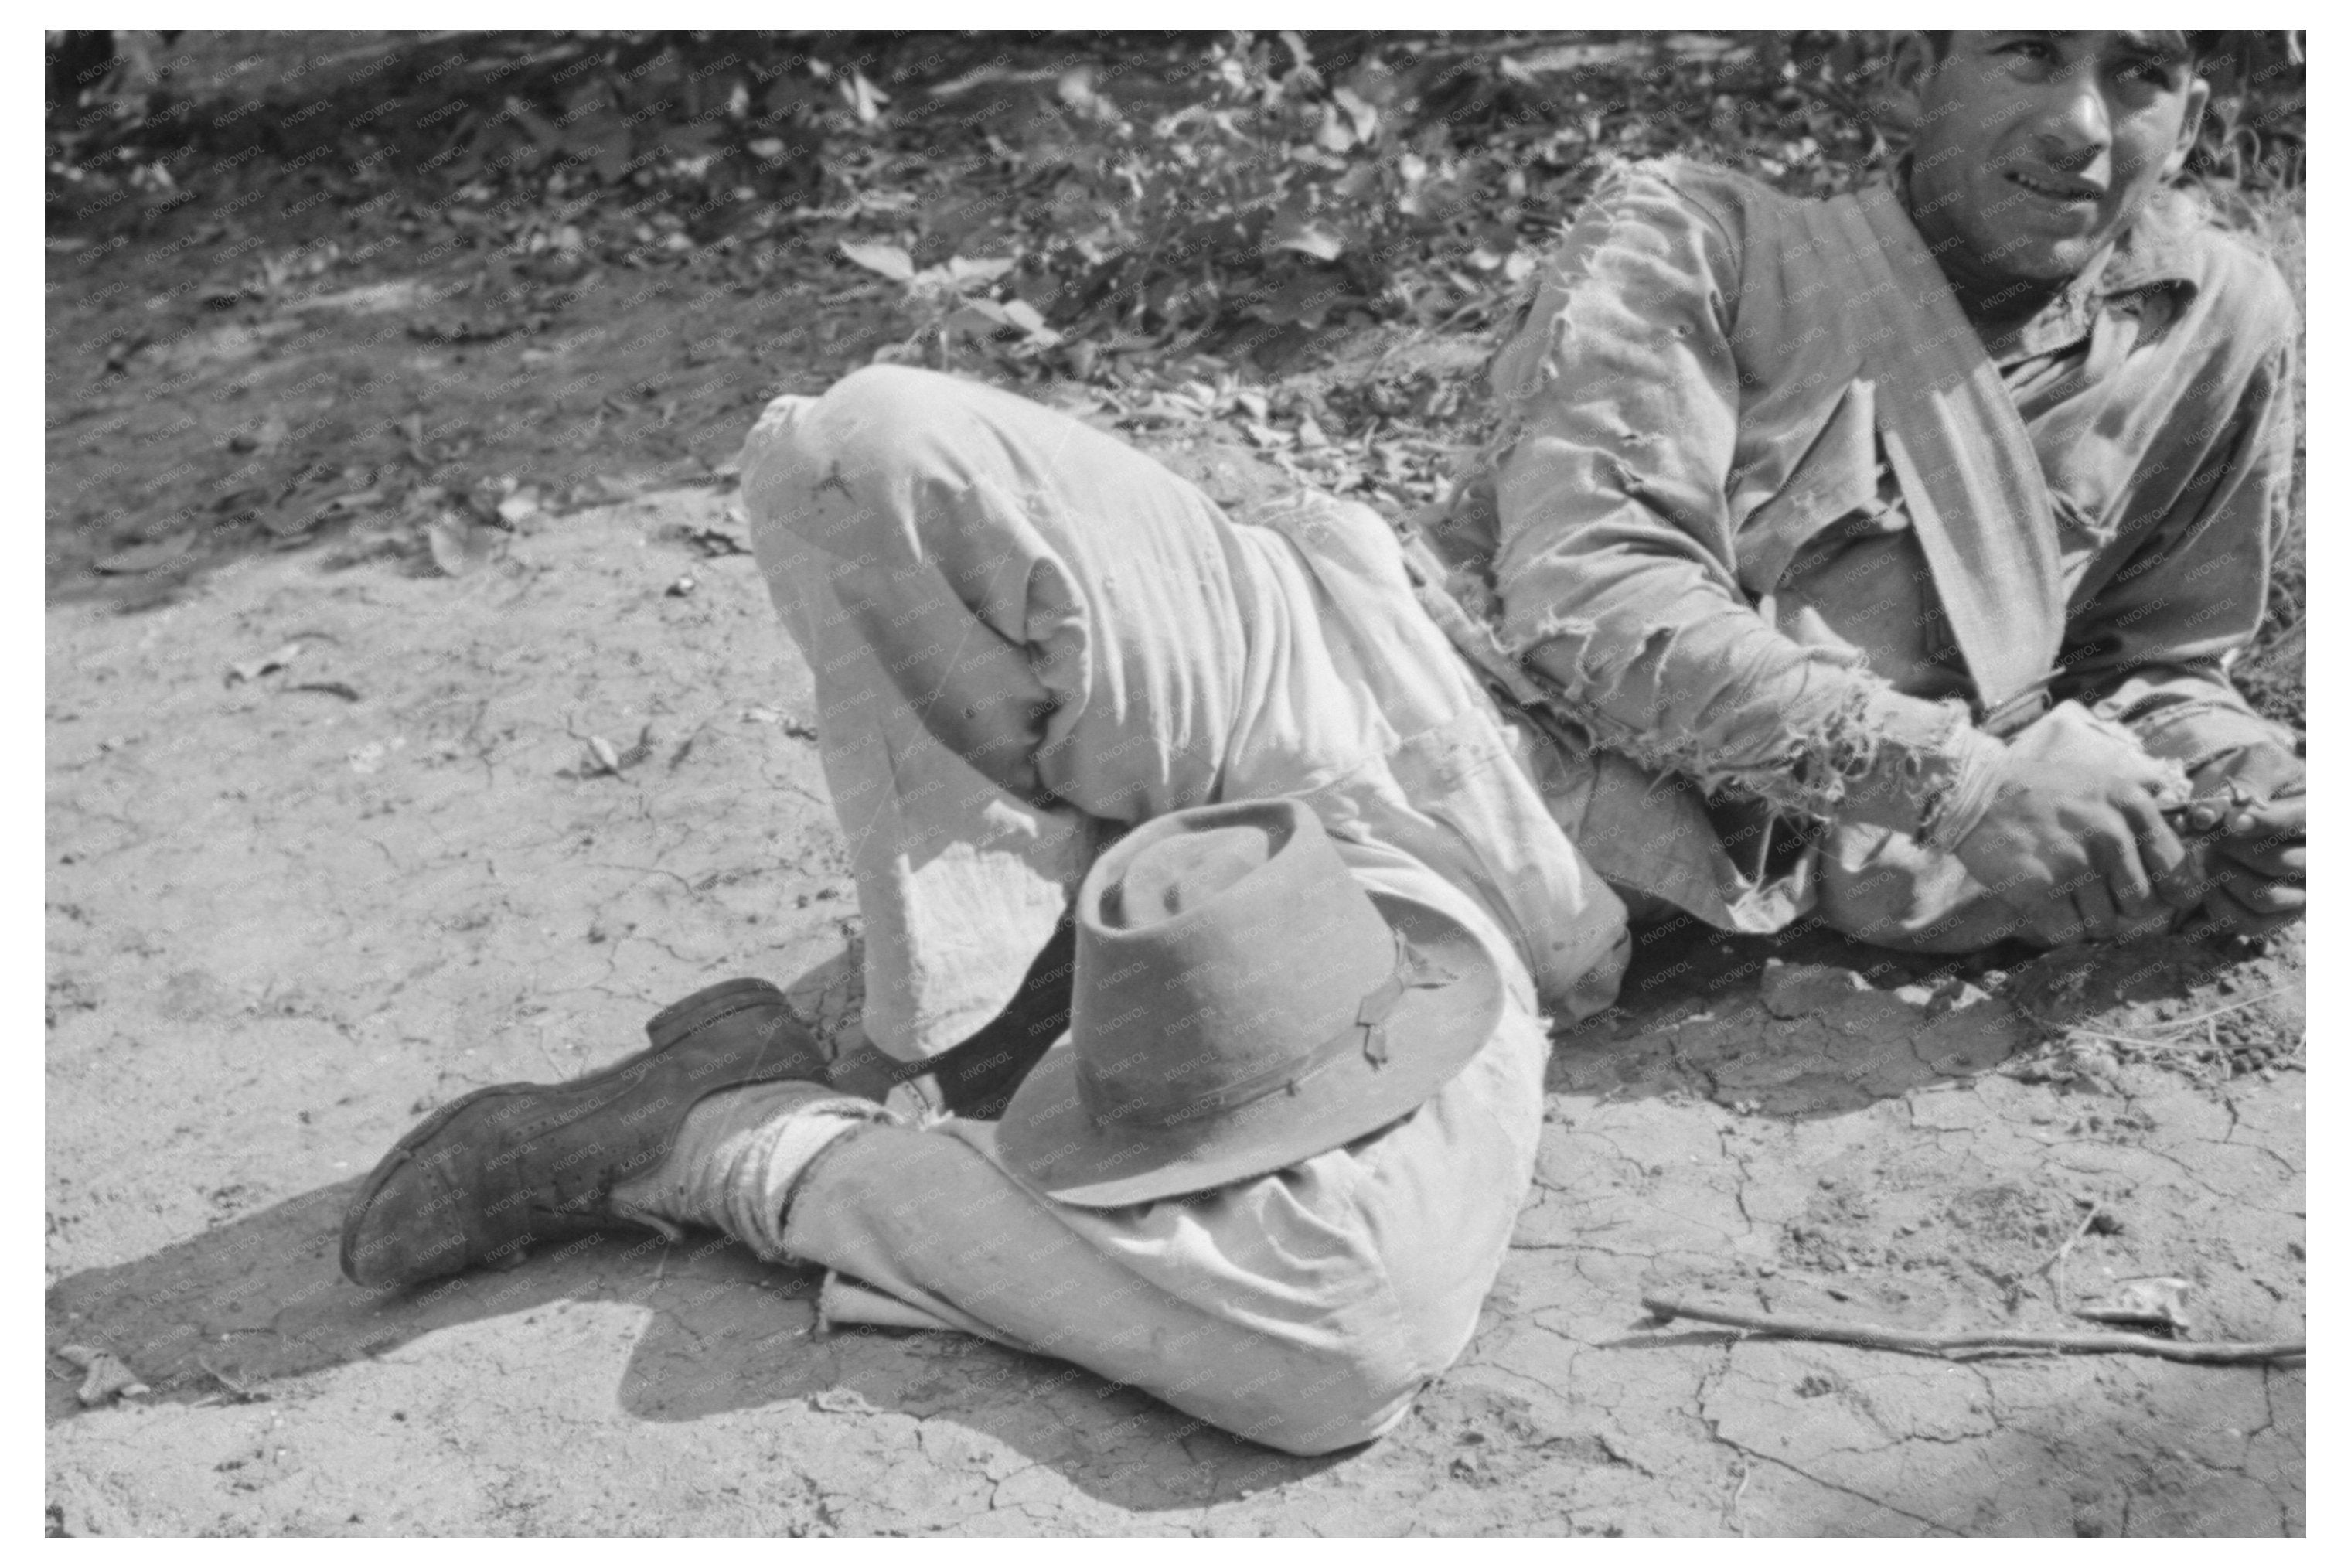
[(2135, 1042), (2145, 1043), (2171, 1026), (1877, 1336), (2054, 1270)]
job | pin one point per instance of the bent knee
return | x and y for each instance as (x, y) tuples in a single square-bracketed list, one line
[(833, 468), (872, 419), (870, 425)]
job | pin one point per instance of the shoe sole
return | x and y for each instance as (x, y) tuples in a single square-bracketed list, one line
[(690, 1016), (668, 1029)]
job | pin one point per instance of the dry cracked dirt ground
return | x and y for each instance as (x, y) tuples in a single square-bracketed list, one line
[(285, 920)]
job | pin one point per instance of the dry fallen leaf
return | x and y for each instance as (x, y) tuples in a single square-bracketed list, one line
[(2159, 1301), (844, 1401), (716, 542), (458, 543), (107, 1375), (446, 537), (890, 261), (254, 669), (367, 759), (353, 501), (145, 557)]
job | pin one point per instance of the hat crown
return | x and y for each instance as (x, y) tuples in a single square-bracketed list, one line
[(1214, 948)]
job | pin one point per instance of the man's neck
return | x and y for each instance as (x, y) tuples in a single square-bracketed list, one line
[(1995, 307)]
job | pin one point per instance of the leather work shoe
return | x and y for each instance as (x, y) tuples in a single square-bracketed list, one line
[(488, 1176)]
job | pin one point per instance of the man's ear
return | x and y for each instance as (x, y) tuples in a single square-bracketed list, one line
[(2199, 93), (1898, 102)]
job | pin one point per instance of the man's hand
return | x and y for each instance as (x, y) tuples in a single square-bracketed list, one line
[(2252, 802), (2075, 840)]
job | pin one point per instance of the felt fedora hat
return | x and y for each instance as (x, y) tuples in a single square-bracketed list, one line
[(1240, 1003)]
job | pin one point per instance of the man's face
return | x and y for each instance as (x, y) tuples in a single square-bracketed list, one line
[(2033, 150)]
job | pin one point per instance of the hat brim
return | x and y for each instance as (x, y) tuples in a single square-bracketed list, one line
[(1051, 1142)]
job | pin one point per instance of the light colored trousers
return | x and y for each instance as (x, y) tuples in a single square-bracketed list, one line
[(972, 576)]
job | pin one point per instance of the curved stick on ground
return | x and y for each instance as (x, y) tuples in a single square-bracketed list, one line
[(1876, 1336)]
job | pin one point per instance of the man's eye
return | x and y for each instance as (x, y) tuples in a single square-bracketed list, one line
[(2147, 73), (2027, 48)]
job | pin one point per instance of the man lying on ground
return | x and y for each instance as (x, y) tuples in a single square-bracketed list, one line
[(1882, 561), (1913, 530)]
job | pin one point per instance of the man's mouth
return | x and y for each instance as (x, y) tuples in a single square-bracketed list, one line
[(2056, 188)]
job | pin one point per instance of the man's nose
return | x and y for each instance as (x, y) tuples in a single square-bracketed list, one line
[(2075, 127)]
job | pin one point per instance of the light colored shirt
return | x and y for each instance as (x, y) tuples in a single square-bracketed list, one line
[(1690, 530)]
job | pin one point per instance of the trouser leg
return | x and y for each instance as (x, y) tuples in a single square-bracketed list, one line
[(1022, 633), (976, 582), (1056, 607), (1304, 1309)]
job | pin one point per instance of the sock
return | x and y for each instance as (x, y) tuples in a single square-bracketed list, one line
[(738, 1156)]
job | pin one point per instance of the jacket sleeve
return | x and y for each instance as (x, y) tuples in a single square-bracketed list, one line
[(2152, 648), (1619, 398)]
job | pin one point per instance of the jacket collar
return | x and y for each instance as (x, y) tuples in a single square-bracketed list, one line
[(2151, 254), (2154, 252)]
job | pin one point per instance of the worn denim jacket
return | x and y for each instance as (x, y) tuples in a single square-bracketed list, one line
[(1688, 498)]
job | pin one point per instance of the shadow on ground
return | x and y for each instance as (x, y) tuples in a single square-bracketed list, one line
[(1811, 1023), (249, 1308), (243, 1309), (1781, 1028), (1805, 1024)]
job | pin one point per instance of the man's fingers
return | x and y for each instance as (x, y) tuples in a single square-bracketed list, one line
[(2170, 865), (2056, 922), (2186, 883), (2021, 879), (2161, 921), (2231, 908), (2285, 817), (2114, 855), (2268, 898), (2286, 860), (2061, 917), (2096, 908), (2267, 837)]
